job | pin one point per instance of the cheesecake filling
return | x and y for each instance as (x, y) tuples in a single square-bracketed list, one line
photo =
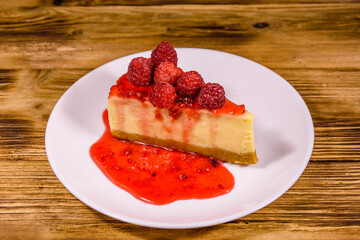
[(226, 137)]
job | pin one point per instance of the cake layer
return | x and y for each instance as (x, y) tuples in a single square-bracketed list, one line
[(227, 137), (242, 158)]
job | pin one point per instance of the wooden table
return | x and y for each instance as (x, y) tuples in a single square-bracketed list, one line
[(45, 46)]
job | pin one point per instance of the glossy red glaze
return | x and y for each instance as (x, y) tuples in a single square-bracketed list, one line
[(230, 108), (157, 175), (124, 88)]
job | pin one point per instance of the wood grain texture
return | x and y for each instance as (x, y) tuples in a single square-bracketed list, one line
[(270, 35), (85, 3), (45, 46)]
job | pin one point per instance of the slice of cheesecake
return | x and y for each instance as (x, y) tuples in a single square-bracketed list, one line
[(225, 133)]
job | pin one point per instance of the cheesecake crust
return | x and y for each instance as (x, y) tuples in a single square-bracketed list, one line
[(220, 154)]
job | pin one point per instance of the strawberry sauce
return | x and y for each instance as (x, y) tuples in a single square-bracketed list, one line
[(156, 175)]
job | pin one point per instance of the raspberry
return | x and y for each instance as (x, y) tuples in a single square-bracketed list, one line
[(212, 96), (189, 84), (164, 52), (162, 95), (166, 72), (140, 72)]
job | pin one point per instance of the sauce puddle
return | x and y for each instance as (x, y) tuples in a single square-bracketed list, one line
[(156, 175)]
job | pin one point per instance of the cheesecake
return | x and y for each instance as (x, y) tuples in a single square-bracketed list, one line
[(157, 103), (225, 133)]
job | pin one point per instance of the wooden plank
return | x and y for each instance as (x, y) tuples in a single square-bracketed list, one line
[(38, 3), (280, 36)]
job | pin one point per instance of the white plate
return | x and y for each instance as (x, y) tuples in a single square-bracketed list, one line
[(284, 138)]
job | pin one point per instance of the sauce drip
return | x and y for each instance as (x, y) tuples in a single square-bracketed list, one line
[(157, 175)]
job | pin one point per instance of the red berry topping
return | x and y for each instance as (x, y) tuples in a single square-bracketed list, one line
[(167, 72), (164, 52), (140, 71), (212, 96), (189, 84), (162, 95)]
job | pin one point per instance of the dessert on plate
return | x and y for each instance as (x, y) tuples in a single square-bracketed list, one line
[(157, 103)]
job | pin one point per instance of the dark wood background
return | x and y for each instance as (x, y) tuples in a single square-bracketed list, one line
[(45, 46)]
